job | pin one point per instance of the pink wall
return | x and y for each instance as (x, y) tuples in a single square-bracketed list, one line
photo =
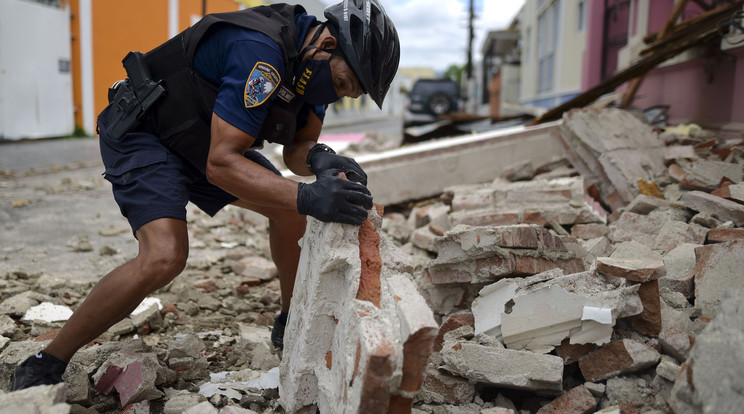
[(592, 64)]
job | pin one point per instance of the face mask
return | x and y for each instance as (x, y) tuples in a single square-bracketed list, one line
[(315, 82)]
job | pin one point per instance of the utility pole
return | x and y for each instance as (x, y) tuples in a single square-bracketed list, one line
[(470, 84), (471, 35)]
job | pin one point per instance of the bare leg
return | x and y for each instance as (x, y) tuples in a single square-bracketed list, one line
[(163, 250), (286, 227)]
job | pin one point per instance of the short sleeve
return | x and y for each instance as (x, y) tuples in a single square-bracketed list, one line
[(251, 72)]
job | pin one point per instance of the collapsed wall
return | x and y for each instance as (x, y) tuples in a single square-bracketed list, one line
[(359, 334)]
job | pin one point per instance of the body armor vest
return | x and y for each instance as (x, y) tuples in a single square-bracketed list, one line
[(182, 118)]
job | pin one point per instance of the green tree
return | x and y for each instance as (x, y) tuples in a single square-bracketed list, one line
[(455, 72)]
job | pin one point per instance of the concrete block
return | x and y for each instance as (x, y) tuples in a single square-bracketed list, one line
[(718, 207), (640, 228), (358, 323), (18, 305), (132, 375), (441, 388), (675, 339), (504, 367), (717, 270), (710, 380), (614, 148), (680, 269), (673, 233), (7, 325), (589, 231), (706, 175), (620, 357), (577, 400)]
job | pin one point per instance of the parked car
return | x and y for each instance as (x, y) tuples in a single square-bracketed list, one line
[(430, 98)]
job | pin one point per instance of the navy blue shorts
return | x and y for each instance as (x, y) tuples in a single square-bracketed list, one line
[(151, 182)]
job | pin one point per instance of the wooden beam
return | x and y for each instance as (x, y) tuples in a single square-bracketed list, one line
[(637, 69), (629, 96)]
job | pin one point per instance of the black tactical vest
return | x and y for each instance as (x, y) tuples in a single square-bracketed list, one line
[(182, 117)]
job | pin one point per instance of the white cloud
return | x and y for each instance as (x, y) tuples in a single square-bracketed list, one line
[(434, 33)]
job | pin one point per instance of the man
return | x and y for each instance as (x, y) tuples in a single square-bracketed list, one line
[(185, 126)]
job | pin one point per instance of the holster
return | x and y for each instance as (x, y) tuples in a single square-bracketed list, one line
[(130, 99)]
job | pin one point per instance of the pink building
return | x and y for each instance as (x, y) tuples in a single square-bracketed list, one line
[(704, 85)]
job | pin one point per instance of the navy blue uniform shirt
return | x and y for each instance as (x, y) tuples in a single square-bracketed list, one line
[(246, 65)]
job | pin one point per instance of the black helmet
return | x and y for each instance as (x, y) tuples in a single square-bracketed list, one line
[(369, 42)]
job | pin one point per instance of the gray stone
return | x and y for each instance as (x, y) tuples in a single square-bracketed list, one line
[(633, 390), (707, 174), (668, 368)]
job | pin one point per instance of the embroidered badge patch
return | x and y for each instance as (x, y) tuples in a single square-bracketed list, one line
[(262, 81)]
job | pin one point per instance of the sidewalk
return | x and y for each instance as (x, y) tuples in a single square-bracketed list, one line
[(49, 154)]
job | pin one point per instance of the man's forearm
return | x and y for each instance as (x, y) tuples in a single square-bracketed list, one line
[(295, 156)]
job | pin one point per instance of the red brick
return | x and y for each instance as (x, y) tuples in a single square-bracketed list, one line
[(573, 352), (617, 358), (369, 254), (450, 323), (578, 400), (648, 322), (721, 235), (631, 269)]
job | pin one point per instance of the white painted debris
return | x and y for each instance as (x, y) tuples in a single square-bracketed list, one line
[(146, 304), (231, 383), (47, 312), (540, 311)]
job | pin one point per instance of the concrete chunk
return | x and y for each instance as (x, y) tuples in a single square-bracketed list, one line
[(357, 322), (718, 207), (717, 270), (504, 367)]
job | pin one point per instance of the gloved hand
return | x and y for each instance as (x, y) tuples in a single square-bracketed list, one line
[(321, 161), (334, 199)]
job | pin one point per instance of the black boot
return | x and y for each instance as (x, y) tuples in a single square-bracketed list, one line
[(277, 333), (39, 369)]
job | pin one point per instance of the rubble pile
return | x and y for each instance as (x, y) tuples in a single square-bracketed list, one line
[(606, 282)]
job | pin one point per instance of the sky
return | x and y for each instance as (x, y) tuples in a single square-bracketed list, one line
[(434, 33)]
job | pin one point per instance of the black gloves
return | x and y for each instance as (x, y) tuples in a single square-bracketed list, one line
[(334, 199), (322, 158)]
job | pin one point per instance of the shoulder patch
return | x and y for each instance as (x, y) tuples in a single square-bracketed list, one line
[(261, 83)]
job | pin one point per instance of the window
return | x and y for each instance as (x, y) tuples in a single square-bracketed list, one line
[(580, 15), (548, 30)]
